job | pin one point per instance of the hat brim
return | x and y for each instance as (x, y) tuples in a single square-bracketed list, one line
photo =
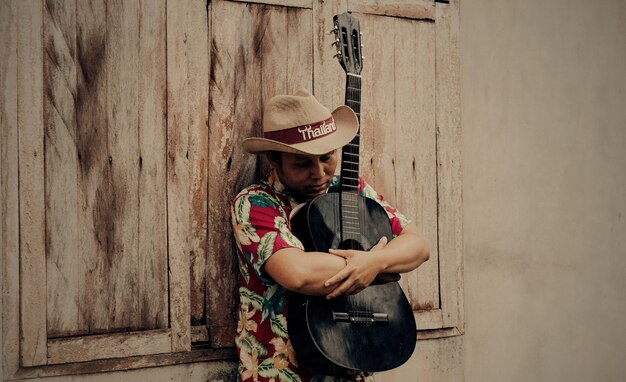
[(347, 126)]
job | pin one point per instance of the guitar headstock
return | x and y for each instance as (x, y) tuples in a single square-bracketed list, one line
[(348, 40)]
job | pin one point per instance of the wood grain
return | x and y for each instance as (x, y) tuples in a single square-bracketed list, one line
[(152, 274), (31, 183), (416, 180), (187, 150), (95, 224), (89, 348), (449, 176), (251, 61), (9, 190), (406, 9), (65, 265)]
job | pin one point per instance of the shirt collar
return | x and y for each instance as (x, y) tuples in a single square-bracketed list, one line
[(279, 188)]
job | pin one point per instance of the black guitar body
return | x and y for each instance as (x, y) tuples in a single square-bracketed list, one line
[(373, 330)]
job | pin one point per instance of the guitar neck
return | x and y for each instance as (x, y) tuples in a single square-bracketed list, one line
[(349, 180)]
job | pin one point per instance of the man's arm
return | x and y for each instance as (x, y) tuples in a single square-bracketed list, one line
[(403, 254), (307, 272), (303, 272), (346, 271)]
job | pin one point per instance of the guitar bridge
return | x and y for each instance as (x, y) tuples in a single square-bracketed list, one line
[(360, 317)]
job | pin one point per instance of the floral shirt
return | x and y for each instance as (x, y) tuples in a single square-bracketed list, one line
[(260, 218)]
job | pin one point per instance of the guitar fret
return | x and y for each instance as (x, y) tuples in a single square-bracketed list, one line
[(352, 216)]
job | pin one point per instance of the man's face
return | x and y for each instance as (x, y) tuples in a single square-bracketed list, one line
[(306, 176)]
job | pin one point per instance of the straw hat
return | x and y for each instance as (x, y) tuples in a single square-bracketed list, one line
[(300, 124)]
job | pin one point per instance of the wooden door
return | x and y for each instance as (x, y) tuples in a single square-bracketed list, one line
[(93, 184), (121, 152)]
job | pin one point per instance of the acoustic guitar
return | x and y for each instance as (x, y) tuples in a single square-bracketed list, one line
[(373, 330)]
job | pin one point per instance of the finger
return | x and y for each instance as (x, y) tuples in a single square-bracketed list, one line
[(341, 289), (337, 278), (345, 253), (381, 243)]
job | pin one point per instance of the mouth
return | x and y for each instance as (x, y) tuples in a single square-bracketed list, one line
[(318, 188)]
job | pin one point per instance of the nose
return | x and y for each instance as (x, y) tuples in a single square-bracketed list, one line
[(317, 169)]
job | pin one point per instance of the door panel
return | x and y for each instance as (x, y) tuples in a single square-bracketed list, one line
[(398, 129), (257, 51)]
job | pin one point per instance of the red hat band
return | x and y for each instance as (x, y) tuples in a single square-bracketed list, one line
[(304, 133)]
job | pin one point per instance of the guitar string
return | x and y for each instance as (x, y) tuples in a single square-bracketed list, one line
[(361, 306)]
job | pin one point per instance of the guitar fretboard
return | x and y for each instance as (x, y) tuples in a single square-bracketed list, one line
[(349, 181), (350, 152)]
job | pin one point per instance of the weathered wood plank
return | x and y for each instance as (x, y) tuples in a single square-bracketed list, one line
[(199, 261), (31, 183), (235, 112), (89, 348), (272, 49), (429, 319), (252, 60), (187, 147), (437, 333), (411, 9), (117, 200), (281, 3), (96, 225), (416, 181), (9, 191), (449, 175), (126, 363), (299, 28), (378, 142), (329, 78), (152, 273), (65, 266)]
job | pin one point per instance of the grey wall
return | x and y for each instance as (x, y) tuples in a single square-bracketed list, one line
[(544, 128)]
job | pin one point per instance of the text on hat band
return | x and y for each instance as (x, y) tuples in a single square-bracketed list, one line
[(303, 133)]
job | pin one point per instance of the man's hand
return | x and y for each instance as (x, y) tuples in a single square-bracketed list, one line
[(360, 270)]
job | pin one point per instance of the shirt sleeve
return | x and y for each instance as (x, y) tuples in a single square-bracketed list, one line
[(261, 229), (396, 218)]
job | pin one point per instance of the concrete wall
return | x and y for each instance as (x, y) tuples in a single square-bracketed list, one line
[(544, 127)]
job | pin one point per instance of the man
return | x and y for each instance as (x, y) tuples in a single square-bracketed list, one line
[(301, 141)]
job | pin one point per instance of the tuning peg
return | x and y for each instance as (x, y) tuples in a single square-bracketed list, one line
[(334, 30), (336, 42), (338, 54)]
